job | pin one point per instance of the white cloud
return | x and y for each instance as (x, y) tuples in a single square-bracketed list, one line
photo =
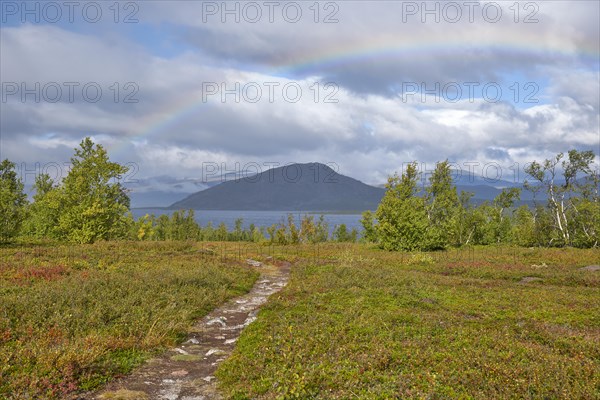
[(369, 132)]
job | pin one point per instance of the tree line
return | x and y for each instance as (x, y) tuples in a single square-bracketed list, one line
[(436, 217), (182, 225), (91, 204)]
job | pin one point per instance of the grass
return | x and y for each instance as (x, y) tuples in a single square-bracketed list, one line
[(364, 323), (353, 322), (73, 317)]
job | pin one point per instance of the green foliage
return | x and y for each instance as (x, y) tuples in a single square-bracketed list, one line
[(321, 230), (524, 227), (281, 236), (441, 218), (341, 234), (586, 222), (286, 232), (271, 232), (308, 229), (43, 213), (88, 205), (237, 231), (181, 225), (569, 225), (293, 233), (401, 215), (208, 233), (144, 228), (94, 206), (221, 232), (545, 234), (504, 202), (12, 202), (369, 233), (491, 223), (471, 219), (313, 232), (586, 211), (442, 207), (256, 234)]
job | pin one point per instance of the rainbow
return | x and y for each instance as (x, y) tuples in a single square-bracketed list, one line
[(374, 50), (394, 48)]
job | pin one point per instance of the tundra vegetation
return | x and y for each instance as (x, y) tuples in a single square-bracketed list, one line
[(439, 298), (74, 316), (489, 322)]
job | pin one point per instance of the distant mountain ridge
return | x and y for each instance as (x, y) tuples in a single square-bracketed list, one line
[(317, 187), (296, 187)]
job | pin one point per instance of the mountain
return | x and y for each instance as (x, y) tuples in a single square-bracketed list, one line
[(296, 187), (317, 187), (466, 178)]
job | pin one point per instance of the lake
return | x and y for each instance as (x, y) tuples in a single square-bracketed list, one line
[(258, 218)]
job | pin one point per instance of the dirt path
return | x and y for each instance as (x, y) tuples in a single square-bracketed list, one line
[(187, 371)]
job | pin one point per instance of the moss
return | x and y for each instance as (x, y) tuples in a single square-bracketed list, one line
[(186, 357), (124, 395)]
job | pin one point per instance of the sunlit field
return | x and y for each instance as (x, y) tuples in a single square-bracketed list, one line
[(354, 321), (479, 323)]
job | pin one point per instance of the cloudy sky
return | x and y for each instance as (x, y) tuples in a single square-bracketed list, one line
[(178, 90)]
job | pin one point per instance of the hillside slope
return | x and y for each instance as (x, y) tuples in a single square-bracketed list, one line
[(297, 187)]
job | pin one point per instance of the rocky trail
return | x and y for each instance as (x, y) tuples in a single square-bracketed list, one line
[(186, 372)]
